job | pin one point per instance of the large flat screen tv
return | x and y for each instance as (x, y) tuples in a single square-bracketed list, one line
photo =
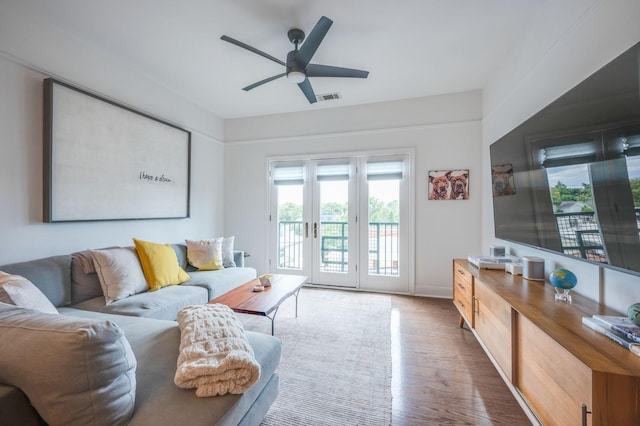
[(567, 180)]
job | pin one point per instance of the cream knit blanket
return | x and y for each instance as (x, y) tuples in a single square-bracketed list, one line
[(215, 355)]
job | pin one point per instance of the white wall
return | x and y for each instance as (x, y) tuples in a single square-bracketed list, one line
[(27, 56), (444, 131), (571, 41)]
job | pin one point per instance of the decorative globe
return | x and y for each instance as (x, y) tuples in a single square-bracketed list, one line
[(633, 312), (563, 279)]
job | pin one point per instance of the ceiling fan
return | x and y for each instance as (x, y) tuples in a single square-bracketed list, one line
[(298, 67)]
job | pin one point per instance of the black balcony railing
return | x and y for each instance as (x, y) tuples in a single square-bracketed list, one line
[(290, 236), (384, 250), (334, 250), (580, 235)]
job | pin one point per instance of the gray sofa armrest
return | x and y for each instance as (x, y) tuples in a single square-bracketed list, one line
[(238, 258)]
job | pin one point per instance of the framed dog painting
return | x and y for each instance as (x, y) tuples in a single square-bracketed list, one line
[(449, 184), (502, 180)]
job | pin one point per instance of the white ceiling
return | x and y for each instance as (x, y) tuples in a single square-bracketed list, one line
[(412, 48)]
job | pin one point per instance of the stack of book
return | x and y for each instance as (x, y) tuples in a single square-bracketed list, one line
[(620, 329)]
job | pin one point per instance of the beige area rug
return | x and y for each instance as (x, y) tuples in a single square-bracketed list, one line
[(336, 359)]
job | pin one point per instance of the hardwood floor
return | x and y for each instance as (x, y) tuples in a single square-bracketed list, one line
[(441, 375)]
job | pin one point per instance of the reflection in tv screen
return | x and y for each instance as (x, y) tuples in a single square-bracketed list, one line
[(568, 179)]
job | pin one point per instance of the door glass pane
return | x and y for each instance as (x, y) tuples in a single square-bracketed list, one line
[(290, 226), (384, 214), (334, 213)]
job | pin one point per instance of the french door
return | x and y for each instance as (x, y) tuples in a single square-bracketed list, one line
[(342, 221)]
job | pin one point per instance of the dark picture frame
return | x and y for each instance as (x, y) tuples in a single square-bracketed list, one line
[(106, 161)]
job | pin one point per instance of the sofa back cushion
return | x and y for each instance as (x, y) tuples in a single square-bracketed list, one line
[(74, 371), (181, 254), (85, 284), (52, 275)]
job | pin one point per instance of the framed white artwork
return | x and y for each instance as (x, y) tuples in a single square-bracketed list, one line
[(106, 161)]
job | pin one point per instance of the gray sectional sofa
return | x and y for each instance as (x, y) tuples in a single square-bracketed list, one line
[(145, 322)]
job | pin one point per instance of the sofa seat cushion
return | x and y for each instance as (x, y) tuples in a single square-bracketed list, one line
[(160, 304), (159, 401), (75, 371), (219, 282)]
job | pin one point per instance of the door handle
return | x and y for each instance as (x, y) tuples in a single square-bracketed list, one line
[(315, 229), (306, 229)]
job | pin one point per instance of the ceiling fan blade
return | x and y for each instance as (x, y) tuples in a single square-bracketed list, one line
[(313, 40), (315, 70), (306, 88), (261, 82), (251, 49)]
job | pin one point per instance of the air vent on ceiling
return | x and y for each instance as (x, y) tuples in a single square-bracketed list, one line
[(328, 97)]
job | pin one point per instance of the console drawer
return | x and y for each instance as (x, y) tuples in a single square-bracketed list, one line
[(463, 292)]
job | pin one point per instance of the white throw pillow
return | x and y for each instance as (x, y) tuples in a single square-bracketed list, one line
[(120, 273), (227, 252), (206, 255), (19, 291)]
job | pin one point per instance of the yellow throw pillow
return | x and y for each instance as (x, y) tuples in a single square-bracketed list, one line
[(206, 255), (159, 264)]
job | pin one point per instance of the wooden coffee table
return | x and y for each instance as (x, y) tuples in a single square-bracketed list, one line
[(244, 300)]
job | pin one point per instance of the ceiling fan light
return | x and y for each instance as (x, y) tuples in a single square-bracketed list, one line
[(296, 76)]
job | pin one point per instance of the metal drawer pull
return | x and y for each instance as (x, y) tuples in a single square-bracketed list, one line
[(584, 414)]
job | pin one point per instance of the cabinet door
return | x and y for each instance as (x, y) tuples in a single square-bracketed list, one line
[(493, 325), (553, 381)]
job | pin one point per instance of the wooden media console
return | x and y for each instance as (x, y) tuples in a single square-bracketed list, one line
[(560, 371)]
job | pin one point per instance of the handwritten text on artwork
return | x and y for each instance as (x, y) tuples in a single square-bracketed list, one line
[(152, 178)]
